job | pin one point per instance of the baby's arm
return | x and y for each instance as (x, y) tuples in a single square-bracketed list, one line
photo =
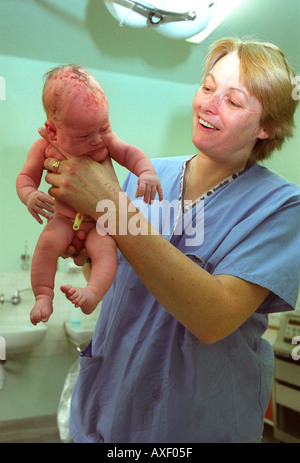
[(137, 162), (28, 181)]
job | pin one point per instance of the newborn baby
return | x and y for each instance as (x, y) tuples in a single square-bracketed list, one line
[(78, 122)]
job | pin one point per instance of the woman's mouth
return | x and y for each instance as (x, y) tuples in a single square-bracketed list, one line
[(206, 124)]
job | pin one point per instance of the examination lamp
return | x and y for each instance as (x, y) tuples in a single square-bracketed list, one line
[(165, 16)]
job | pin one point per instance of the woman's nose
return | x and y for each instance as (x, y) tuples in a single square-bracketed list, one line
[(212, 103)]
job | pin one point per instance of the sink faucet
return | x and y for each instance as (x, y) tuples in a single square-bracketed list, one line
[(16, 298)]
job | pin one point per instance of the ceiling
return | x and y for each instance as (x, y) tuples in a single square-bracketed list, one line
[(83, 31)]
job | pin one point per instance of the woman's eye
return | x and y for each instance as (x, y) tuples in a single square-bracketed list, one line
[(206, 88), (235, 104)]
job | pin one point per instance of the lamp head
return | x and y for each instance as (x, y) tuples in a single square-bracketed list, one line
[(168, 17)]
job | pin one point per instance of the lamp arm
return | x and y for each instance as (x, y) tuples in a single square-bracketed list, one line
[(155, 14), (188, 16)]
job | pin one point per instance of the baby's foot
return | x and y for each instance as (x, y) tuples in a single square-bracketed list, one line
[(85, 298), (41, 310)]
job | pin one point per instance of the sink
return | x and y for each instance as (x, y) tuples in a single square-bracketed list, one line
[(20, 338), (80, 333)]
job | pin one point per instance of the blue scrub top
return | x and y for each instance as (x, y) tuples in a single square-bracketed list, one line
[(144, 377)]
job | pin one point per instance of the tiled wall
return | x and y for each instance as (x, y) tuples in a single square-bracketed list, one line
[(55, 341)]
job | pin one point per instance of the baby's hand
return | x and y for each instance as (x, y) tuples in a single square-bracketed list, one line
[(38, 203), (148, 185)]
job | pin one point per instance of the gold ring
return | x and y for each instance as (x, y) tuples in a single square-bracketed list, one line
[(56, 164)]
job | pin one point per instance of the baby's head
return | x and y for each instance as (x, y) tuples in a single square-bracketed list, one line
[(76, 108), (68, 85)]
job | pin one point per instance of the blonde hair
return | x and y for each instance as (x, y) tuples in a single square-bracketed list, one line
[(68, 81), (267, 75)]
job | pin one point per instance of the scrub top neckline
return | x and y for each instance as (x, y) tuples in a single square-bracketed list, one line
[(211, 191)]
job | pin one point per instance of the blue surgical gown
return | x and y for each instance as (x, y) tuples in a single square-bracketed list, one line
[(146, 378)]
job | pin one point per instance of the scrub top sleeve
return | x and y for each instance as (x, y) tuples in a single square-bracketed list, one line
[(270, 257)]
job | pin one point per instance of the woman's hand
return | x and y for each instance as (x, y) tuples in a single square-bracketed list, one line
[(76, 250), (82, 182)]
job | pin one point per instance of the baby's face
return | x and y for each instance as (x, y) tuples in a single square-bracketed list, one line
[(84, 129)]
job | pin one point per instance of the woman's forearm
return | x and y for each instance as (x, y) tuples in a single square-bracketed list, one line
[(209, 307), (172, 278)]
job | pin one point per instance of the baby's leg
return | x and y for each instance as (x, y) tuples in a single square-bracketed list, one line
[(103, 253), (54, 240)]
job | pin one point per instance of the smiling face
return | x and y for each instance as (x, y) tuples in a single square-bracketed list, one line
[(226, 118)]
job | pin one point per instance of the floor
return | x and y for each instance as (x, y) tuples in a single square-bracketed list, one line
[(43, 430), (268, 437), (28, 381)]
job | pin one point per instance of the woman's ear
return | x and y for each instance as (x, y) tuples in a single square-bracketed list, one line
[(263, 134), (51, 130)]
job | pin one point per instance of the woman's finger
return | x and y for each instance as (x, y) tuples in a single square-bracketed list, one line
[(43, 133), (53, 165), (81, 259), (108, 166), (69, 252)]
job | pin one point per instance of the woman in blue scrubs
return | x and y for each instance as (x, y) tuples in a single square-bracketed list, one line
[(178, 354)]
